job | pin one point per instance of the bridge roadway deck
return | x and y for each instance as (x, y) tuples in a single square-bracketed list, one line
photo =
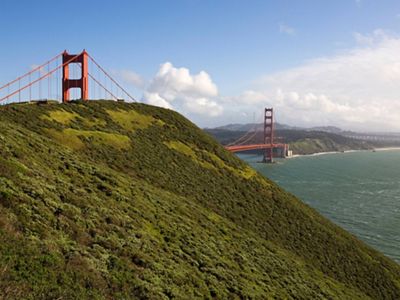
[(254, 147)]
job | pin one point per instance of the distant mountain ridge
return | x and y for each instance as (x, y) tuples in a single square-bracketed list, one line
[(278, 126), (330, 129), (300, 141), (249, 126)]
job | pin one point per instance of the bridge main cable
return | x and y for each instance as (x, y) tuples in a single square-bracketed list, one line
[(39, 79), (236, 142), (247, 139), (112, 79), (31, 72), (101, 85)]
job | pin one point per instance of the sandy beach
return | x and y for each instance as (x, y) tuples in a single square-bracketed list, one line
[(347, 151)]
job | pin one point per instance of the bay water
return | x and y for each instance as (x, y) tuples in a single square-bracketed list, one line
[(359, 191)]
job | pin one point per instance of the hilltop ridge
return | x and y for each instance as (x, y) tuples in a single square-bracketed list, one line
[(103, 200)]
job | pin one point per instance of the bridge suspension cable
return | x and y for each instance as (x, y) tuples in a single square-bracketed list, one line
[(112, 79), (251, 133), (248, 139), (38, 68), (242, 137), (60, 78), (20, 89), (268, 145)]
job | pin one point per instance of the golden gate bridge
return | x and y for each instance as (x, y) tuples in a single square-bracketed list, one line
[(67, 77), (269, 145)]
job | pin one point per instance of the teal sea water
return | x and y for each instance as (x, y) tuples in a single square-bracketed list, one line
[(360, 191)]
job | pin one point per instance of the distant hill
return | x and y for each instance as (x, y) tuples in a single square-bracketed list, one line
[(330, 129), (250, 126), (105, 200), (278, 126), (301, 141), (311, 140), (387, 137)]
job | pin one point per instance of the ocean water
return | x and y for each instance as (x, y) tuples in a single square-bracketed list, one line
[(360, 191)]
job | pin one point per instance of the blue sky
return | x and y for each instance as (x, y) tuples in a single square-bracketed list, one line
[(243, 47)]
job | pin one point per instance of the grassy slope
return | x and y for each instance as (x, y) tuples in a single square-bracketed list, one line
[(115, 200), (308, 142)]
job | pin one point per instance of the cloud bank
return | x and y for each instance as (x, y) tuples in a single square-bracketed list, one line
[(132, 78), (176, 88), (356, 89)]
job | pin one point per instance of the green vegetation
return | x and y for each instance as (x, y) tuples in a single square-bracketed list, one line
[(61, 116), (74, 138), (131, 120), (309, 142), (204, 158), (127, 201)]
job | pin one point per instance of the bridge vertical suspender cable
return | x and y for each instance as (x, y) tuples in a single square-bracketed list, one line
[(35, 81), (245, 138), (31, 72), (38, 82), (112, 79)]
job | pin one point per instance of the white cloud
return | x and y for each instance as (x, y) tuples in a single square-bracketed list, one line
[(132, 78), (377, 36), (155, 99), (171, 82), (358, 89), (283, 28), (252, 97), (178, 89), (204, 106), (363, 39), (245, 99)]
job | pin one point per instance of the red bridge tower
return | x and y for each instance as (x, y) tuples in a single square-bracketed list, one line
[(269, 134), (82, 82)]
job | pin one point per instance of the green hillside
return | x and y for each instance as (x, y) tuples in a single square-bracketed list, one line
[(309, 142), (106, 200)]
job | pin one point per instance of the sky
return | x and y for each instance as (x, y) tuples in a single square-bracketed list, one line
[(317, 63)]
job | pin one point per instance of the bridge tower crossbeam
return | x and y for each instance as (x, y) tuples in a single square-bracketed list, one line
[(82, 83)]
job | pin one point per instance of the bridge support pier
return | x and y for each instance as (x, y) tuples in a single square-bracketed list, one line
[(268, 156)]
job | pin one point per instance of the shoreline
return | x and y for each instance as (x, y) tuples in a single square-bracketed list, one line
[(339, 152), (346, 151), (387, 148)]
